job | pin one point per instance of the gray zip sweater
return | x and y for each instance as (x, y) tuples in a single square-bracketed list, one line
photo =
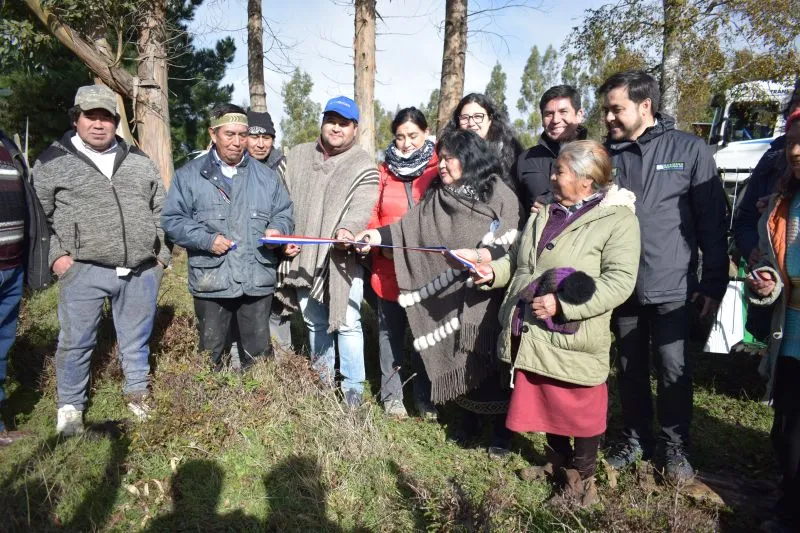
[(112, 222)]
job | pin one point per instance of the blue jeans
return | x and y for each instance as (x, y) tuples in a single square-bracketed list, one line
[(10, 296), (350, 338), (83, 290)]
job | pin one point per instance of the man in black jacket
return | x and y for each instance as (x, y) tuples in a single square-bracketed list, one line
[(23, 252), (562, 117), (681, 208)]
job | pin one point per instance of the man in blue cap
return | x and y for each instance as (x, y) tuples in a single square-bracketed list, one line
[(334, 186)]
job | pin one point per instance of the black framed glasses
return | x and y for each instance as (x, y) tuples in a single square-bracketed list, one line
[(477, 118)]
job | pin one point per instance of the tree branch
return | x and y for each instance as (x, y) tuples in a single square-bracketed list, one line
[(118, 79)]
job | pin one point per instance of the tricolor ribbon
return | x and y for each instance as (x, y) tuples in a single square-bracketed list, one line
[(305, 241), (301, 240)]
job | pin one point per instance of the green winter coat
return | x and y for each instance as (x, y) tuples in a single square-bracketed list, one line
[(604, 243)]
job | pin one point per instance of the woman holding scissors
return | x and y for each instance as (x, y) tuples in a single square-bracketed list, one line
[(455, 328)]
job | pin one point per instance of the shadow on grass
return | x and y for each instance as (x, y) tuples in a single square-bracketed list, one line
[(735, 375), (28, 500), (297, 496), (196, 489)]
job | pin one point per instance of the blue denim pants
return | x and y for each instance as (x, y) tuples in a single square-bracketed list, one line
[(10, 296), (350, 338), (82, 291)]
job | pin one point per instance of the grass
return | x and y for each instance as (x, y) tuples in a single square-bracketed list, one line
[(272, 450)]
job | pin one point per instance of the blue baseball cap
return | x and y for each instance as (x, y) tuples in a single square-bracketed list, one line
[(343, 106)]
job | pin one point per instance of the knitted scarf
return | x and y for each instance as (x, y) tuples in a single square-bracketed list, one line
[(409, 167), (455, 326)]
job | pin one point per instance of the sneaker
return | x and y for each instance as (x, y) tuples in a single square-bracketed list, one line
[(676, 466), (395, 409), (352, 398), (625, 455), (69, 421), (427, 411), (139, 405)]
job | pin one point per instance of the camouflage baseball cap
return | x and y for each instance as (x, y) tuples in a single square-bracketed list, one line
[(96, 97)]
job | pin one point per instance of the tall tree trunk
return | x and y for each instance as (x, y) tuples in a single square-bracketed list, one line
[(671, 56), (148, 95), (364, 51), (255, 57), (151, 103), (453, 59)]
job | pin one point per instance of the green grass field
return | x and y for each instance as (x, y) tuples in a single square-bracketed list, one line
[(270, 450)]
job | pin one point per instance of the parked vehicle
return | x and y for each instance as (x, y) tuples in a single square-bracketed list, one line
[(746, 120)]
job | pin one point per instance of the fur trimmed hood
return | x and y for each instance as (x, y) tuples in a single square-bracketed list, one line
[(616, 195)]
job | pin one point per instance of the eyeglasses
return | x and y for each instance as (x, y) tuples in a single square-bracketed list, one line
[(477, 118)]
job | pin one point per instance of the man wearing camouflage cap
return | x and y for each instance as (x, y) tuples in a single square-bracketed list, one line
[(102, 199)]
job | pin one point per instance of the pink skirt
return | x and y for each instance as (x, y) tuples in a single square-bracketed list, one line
[(546, 405)]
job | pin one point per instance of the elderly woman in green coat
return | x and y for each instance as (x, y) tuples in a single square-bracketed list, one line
[(575, 261)]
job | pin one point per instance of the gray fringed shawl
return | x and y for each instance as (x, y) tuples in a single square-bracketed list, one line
[(328, 194), (455, 326)]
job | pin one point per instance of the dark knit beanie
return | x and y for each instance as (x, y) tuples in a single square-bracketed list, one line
[(260, 124)]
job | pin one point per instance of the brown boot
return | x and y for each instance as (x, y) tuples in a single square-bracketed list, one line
[(550, 471), (580, 491)]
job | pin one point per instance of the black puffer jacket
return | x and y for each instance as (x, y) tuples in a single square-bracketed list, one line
[(680, 204), (534, 168), (37, 235)]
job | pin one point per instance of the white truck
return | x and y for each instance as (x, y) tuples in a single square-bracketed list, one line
[(746, 120)]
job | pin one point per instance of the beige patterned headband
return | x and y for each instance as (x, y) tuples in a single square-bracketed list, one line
[(229, 118)]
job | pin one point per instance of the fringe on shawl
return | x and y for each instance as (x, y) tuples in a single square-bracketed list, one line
[(479, 343)]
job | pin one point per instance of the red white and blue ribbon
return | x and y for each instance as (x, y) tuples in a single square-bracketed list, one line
[(466, 262), (304, 241)]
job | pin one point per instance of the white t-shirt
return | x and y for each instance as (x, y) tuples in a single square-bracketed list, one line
[(103, 160)]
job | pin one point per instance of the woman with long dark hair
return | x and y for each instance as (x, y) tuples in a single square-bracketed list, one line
[(476, 112), (409, 167), (455, 328)]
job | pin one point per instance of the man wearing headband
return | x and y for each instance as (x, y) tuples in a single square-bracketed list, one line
[(102, 199), (260, 139), (334, 186), (218, 207)]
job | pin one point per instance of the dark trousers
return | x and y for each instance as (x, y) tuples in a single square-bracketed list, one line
[(392, 324), (667, 326), (583, 457), (786, 436), (215, 319)]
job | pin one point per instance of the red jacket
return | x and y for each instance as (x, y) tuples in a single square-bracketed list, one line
[(391, 206)]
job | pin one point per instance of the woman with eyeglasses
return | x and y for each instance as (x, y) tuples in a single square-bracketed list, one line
[(476, 112), (408, 168)]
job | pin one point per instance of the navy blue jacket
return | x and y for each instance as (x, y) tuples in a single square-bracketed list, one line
[(534, 168), (681, 207), (37, 233), (762, 183), (201, 204)]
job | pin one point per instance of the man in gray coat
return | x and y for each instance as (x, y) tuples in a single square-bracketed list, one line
[(218, 207), (102, 199)]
